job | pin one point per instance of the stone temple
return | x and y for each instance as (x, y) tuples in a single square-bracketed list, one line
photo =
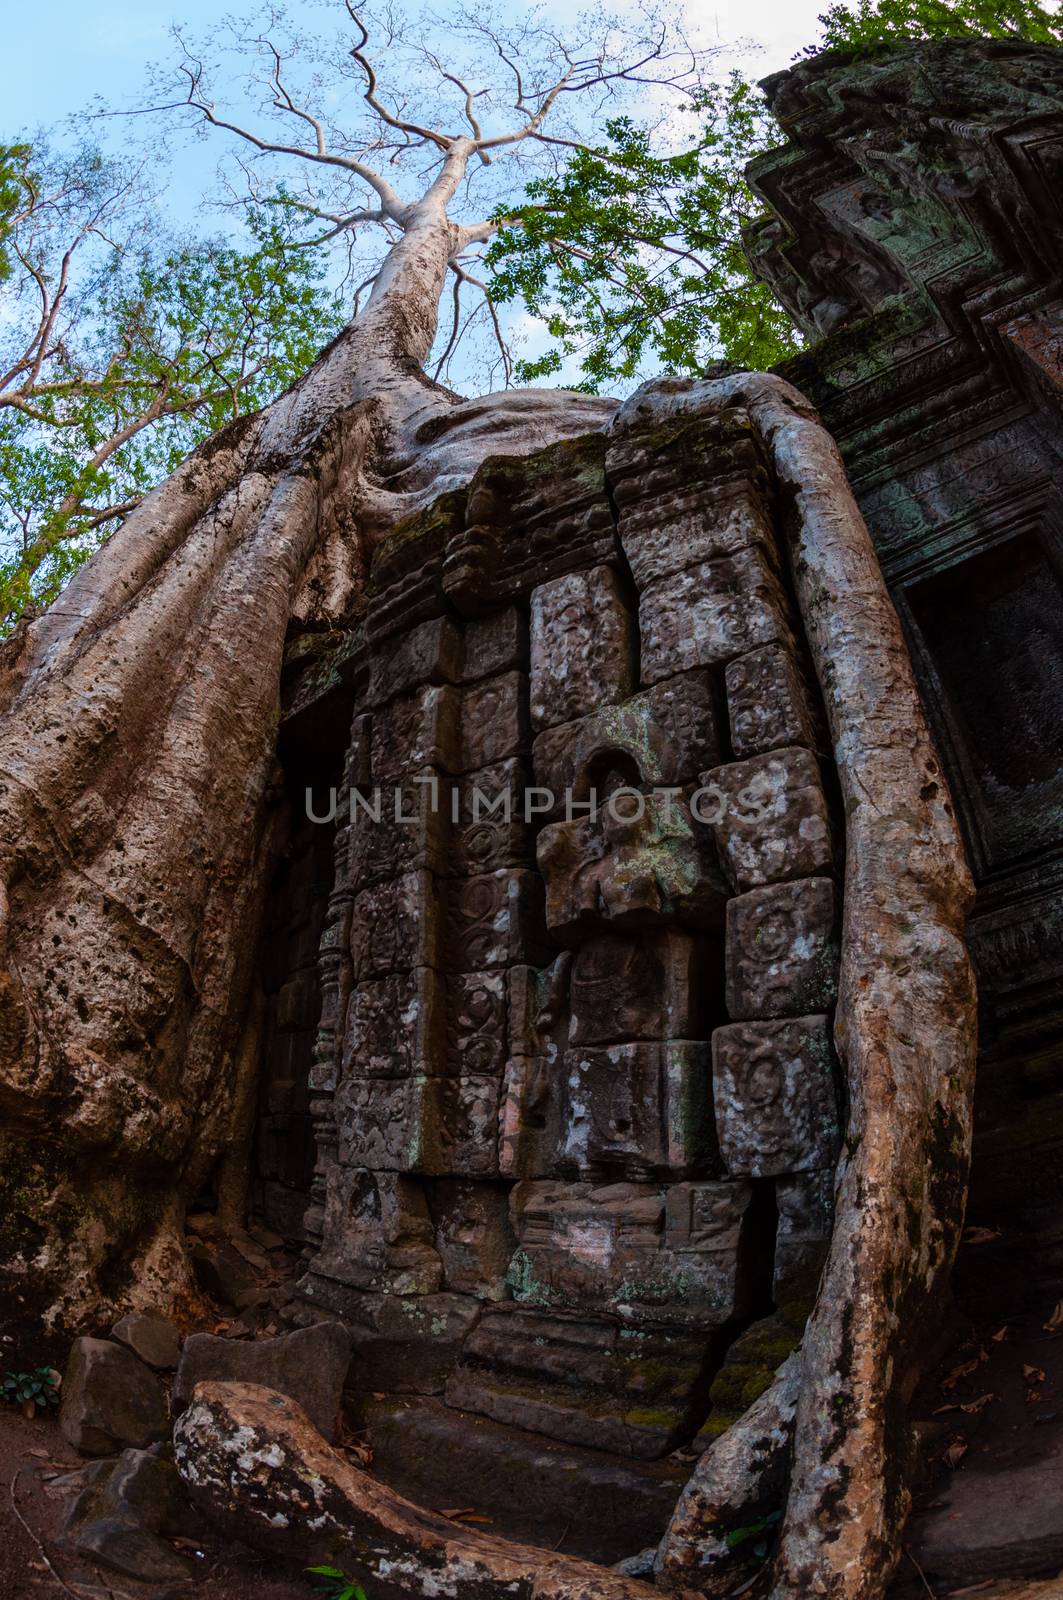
[(550, 1098)]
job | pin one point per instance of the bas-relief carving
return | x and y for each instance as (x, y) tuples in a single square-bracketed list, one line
[(559, 1053), (936, 209)]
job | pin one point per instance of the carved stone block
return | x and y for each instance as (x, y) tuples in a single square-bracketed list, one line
[(493, 919), (669, 732), (461, 1126), (530, 1117), (634, 1109), (488, 828), (538, 1005), (472, 1235), (662, 534), (396, 831), (772, 818), (705, 1218), (416, 731), (394, 1025), (396, 926), (381, 1123), (495, 643), (767, 702), (641, 859), (428, 653), (430, 1125), (582, 646), (476, 1023), (531, 517), (378, 1233), (773, 1092), (628, 988), (494, 720), (599, 1247), (710, 613), (782, 954)]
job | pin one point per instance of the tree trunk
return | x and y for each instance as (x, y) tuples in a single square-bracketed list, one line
[(137, 791), (138, 785), (905, 1032)]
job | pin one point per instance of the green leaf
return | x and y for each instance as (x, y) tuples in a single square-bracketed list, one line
[(326, 1572)]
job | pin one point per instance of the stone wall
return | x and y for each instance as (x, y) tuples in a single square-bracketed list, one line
[(917, 237), (573, 1087)]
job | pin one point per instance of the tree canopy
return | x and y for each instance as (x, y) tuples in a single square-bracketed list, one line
[(615, 228), (123, 346)]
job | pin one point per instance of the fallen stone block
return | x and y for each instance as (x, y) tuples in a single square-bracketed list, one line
[(254, 1464), (127, 1548), (109, 1399), (125, 1511), (309, 1365), (151, 1337)]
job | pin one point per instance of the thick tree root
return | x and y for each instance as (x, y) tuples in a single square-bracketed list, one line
[(905, 1033), (741, 1479), (251, 1459)]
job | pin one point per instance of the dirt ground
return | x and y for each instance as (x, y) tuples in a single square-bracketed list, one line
[(991, 1416), (34, 1453)]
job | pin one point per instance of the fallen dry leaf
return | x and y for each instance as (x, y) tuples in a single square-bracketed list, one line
[(965, 1369), (1033, 1374), (976, 1235), (972, 1407), (1055, 1321), (1000, 1334), (956, 1452)]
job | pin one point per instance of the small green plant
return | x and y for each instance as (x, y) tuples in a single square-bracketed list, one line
[(335, 1584), (755, 1535), (33, 1391)]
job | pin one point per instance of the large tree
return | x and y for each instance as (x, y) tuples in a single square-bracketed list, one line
[(137, 748)]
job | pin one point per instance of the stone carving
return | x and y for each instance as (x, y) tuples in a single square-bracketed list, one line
[(669, 732), (640, 860), (772, 818), (710, 612), (488, 825), (624, 987), (767, 702), (635, 1108), (396, 926), (581, 646), (774, 1095), (782, 956), (393, 1024), (493, 919), (493, 720), (537, 1129)]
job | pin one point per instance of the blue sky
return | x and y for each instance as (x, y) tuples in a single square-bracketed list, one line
[(60, 54), (63, 54)]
